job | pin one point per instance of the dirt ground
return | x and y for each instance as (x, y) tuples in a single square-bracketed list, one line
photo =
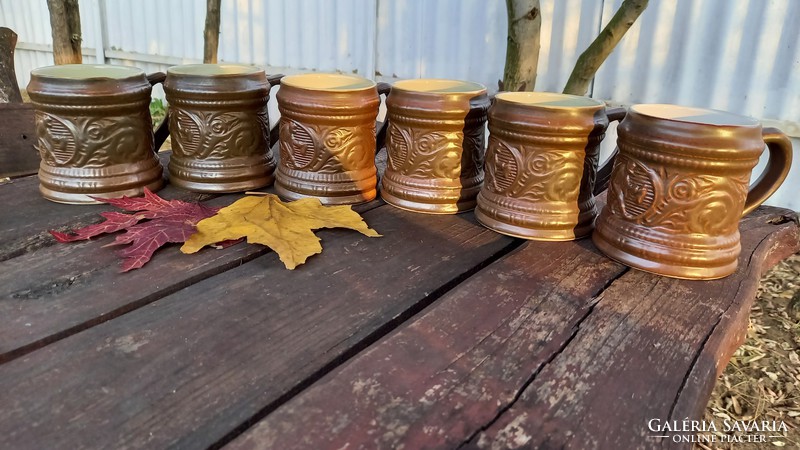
[(762, 381)]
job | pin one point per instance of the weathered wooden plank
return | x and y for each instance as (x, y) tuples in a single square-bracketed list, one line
[(524, 350), (9, 90), (66, 288), (433, 382), (731, 331), (192, 367), (18, 157), (27, 215), (650, 349)]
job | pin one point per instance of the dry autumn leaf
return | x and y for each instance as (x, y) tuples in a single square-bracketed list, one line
[(286, 228), (169, 221)]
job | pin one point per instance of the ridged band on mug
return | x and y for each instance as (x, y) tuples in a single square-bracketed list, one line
[(74, 185), (661, 253)]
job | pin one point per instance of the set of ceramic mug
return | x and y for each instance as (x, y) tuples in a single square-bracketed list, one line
[(676, 189)]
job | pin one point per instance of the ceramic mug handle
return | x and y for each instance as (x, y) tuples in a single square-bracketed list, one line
[(380, 136), (275, 131), (162, 132), (780, 160), (604, 172)]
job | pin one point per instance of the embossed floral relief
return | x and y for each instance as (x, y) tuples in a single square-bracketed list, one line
[(86, 141), (521, 172), (218, 135), (675, 201), (325, 149), (425, 154)]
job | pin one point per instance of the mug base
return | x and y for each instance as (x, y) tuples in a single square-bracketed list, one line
[(341, 188), (77, 186), (85, 199), (433, 196), (428, 208), (664, 269), (237, 174), (528, 233), (535, 221), (354, 199)]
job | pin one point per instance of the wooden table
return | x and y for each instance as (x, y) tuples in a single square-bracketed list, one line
[(440, 334)]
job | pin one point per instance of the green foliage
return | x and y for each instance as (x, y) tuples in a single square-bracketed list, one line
[(158, 111)]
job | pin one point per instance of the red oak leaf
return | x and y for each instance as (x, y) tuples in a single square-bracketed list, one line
[(169, 221)]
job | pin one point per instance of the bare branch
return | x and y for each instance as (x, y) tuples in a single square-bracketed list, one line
[(65, 25), (594, 56), (211, 32), (522, 48)]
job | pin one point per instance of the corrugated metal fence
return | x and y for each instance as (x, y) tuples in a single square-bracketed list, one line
[(736, 55)]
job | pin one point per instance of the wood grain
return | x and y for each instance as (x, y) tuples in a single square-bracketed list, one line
[(195, 367), (433, 382), (56, 299), (651, 348), (23, 228), (18, 157), (9, 90), (552, 346)]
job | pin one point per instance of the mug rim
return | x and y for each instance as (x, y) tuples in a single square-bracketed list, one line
[(539, 100), (83, 72), (346, 83), (214, 70), (671, 114), (471, 87)]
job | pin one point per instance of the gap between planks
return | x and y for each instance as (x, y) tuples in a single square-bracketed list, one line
[(372, 338)]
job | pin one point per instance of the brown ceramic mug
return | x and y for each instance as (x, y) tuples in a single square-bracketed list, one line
[(219, 127), (327, 138), (435, 145), (542, 164), (680, 185), (94, 132)]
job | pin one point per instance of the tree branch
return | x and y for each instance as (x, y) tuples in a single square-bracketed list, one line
[(65, 25), (522, 47), (594, 56), (9, 90), (211, 32)]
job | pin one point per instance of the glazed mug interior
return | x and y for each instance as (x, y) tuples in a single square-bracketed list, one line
[(87, 72), (327, 82), (436, 86), (550, 100), (214, 70)]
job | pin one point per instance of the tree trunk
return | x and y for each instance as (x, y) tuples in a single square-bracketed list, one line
[(602, 46), (9, 90), (522, 46), (211, 33), (65, 23)]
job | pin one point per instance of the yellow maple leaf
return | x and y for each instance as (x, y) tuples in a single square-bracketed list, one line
[(286, 228)]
